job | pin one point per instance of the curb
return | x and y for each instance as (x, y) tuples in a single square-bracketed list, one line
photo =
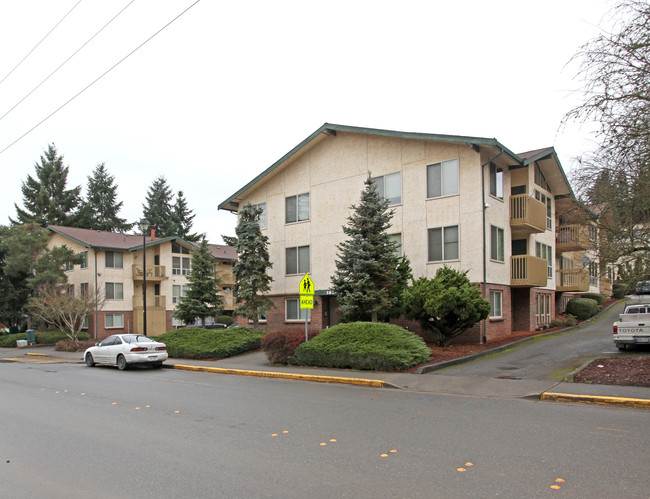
[(304, 377), (596, 399), (37, 354)]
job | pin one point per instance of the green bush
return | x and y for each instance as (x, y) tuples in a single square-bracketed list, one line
[(600, 299), (564, 321), (43, 338), (363, 345), (619, 290), (225, 319), (198, 343), (9, 340), (279, 346), (582, 308)]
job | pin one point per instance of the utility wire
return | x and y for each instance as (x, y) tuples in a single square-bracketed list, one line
[(64, 62), (42, 40), (98, 78)]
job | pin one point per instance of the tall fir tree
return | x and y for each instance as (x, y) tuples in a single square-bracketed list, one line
[(46, 200), (183, 218), (158, 209), (251, 278), (366, 268), (203, 299), (100, 209)]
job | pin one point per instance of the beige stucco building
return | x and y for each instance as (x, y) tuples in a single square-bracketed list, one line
[(114, 266), (466, 202)]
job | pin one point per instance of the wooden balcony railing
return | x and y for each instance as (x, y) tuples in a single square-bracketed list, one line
[(153, 301), (527, 271), (572, 238), (229, 303), (606, 287), (226, 276), (572, 280), (154, 272), (527, 215)]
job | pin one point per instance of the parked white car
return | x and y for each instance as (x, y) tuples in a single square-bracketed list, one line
[(122, 350)]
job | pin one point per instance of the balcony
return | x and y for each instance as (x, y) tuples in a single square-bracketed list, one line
[(573, 280), (527, 215), (229, 303), (572, 238), (528, 271), (226, 276), (606, 287), (153, 301), (154, 272)]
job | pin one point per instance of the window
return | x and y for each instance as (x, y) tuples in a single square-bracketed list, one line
[(389, 187), (113, 321), (542, 309), (176, 323), (262, 218), (297, 260), (593, 273), (179, 292), (593, 235), (114, 259), (293, 312), (297, 208), (84, 263), (496, 246), (84, 322), (443, 243), (496, 298), (545, 251), (114, 291), (177, 248), (496, 181), (396, 239), (83, 287), (68, 266), (549, 207), (70, 290), (540, 179), (181, 265), (442, 179)]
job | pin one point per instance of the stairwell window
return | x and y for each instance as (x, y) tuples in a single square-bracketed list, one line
[(297, 260), (297, 208), (496, 244), (84, 263), (442, 179), (443, 244), (262, 217), (496, 181), (389, 187), (396, 239)]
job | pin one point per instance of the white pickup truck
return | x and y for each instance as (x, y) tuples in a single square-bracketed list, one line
[(633, 326)]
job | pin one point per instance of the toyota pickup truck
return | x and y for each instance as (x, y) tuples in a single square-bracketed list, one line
[(633, 326)]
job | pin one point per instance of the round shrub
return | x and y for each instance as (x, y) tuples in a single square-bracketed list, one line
[(563, 321), (225, 319), (363, 345), (619, 290), (582, 308), (600, 299), (279, 346)]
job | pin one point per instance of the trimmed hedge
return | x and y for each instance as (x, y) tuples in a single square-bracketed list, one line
[(42, 338), (198, 343), (600, 299), (563, 321), (582, 308), (619, 290), (225, 319), (363, 345), (279, 346)]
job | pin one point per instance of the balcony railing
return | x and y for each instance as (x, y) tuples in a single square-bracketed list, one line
[(154, 272), (606, 287), (527, 215), (229, 303), (572, 238), (572, 280), (528, 271), (153, 301), (226, 276)]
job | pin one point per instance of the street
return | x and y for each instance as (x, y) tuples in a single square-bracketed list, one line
[(72, 431)]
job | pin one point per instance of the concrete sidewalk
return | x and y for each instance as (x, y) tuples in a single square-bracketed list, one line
[(256, 364)]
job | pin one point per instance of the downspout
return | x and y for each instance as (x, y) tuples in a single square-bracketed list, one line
[(96, 293), (484, 338)]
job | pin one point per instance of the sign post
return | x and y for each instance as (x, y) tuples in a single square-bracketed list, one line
[(306, 291)]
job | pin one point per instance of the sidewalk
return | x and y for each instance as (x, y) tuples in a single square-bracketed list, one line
[(256, 364)]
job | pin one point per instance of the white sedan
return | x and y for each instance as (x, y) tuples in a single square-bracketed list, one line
[(122, 350)]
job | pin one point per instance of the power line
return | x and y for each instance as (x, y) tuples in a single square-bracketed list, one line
[(42, 40), (64, 62), (99, 77)]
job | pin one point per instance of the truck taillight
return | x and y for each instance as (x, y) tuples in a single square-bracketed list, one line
[(615, 329)]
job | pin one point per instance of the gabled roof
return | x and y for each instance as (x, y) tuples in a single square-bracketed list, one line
[(223, 252)]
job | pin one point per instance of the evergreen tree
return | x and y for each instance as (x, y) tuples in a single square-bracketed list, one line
[(158, 210), (46, 200), (251, 278), (182, 218), (203, 298), (366, 268), (99, 210)]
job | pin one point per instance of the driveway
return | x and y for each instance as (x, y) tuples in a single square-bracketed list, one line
[(546, 357)]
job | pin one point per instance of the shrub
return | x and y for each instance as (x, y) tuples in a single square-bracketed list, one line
[(279, 346), (225, 319), (52, 337), (363, 345), (564, 321), (9, 340), (198, 343), (600, 299), (619, 290), (68, 345), (582, 308)]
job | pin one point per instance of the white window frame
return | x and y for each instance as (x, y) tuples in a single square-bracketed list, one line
[(496, 297), (443, 231), (545, 251), (447, 168), (297, 216), (499, 244), (115, 286), (496, 181), (185, 265), (302, 312), (113, 317), (381, 184), (299, 264)]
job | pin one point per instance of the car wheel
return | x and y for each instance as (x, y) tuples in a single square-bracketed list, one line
[(121, 362), (90, 362), (621, 346)]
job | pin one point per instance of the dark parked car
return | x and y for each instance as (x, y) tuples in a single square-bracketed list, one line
[(642, 288)]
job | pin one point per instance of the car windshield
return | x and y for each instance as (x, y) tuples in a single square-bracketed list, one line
[(136, 338)]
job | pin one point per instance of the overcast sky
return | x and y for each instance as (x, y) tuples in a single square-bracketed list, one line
[(229, 87)]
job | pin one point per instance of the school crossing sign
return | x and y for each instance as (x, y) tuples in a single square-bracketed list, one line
[(306, 291)]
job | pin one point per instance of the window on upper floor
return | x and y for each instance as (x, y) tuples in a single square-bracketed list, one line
[(443, 243), (389, 187), (181, 265), (114, 259), (442, 179), (540, 179), (178, 249), (540, 196), (396, 239), (84, 263), (545, 251), (262, 217), (83, 288), (70, 290), (496, 244), (496, 181), (114, 291), (297, 260), (296, 208)]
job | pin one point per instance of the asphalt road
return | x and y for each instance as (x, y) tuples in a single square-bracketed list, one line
[(72, 431), (551, 356)]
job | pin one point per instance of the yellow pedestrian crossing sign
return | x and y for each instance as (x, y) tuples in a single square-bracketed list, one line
[(306, 286)]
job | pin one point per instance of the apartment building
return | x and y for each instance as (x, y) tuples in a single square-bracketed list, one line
[(466, 202), (114, 266)]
